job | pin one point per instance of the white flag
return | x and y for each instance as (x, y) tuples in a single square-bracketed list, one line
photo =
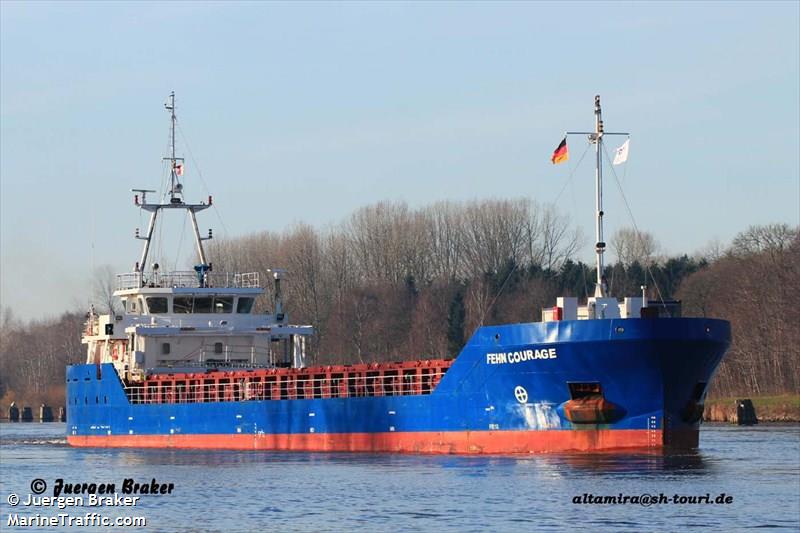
[(621, 153)]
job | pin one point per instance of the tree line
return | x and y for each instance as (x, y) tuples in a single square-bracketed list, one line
[(755, 285), (395, 283), (34, 355)]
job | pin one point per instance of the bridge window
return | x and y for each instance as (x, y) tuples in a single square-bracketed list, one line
[(156, 305), (182, 304), (223, 304), (202, 304), (245, 305)]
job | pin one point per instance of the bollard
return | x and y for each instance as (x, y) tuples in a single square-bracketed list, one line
[(45, 413), (27, 414), (745, 412), (13, 412)]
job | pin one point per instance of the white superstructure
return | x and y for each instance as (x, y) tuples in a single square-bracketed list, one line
[(176, 321)]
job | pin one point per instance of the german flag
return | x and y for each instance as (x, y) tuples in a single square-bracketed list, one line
[(561, 154)]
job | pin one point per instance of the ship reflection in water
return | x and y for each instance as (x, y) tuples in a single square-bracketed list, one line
[(685, 461), (689, 461)]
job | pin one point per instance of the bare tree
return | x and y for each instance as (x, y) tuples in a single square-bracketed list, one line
[(631, 246), (555, 241), (494, 233), (712, 251), (104, 286), (749, 286), (772, 238), (445, 240)]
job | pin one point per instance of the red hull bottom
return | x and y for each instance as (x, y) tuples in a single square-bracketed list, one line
[(451, 442)]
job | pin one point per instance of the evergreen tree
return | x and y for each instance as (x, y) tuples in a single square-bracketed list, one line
[(455, 324)]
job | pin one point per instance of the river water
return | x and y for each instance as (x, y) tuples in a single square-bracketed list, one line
[(757, 469)]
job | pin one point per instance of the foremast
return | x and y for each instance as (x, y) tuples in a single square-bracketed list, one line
[(596, 138), (175, 202)]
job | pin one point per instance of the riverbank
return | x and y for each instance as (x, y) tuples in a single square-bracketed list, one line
[(782, 408)]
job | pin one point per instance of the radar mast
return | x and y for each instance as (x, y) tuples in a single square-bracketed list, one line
[(175, 202), (596, 138)]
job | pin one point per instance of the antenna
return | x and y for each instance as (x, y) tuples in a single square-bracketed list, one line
[(176, 166), (596, 138)]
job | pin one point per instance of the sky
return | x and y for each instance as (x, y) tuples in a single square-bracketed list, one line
[(303, 112)]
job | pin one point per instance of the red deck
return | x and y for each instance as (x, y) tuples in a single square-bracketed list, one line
[(344, 381)]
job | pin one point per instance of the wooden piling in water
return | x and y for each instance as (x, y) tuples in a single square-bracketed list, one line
[(27, 414), (745, 412), (13, 412), (45, 413)]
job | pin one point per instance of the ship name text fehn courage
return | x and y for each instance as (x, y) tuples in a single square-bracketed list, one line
[(521, 356)]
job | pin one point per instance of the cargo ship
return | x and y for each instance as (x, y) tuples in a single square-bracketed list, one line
[(188, 363)]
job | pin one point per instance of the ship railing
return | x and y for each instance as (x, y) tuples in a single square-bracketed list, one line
[(259, 386), (213, 364), (187, 278), (226, 321)]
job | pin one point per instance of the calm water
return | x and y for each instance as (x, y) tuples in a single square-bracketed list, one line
[(260, 491)]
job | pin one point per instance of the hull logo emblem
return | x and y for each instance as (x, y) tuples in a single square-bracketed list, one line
[(521, 394)]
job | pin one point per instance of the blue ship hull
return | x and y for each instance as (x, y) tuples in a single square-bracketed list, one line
[(511, 390)]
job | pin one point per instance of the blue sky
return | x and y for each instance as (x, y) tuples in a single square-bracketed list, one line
[(304, 112)]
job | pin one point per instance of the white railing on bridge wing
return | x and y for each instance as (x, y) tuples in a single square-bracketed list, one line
[(187, 278), (246, 279)]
